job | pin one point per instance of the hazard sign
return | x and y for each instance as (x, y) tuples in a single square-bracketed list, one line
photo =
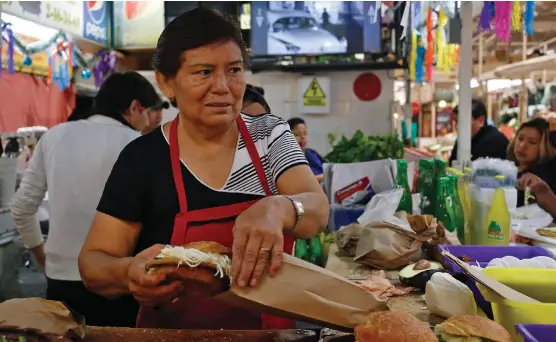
[(314, 93)]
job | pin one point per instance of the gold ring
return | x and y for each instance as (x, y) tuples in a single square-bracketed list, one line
[(265, 249)]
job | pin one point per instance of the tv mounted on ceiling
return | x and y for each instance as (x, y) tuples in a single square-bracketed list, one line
[(314, 27)]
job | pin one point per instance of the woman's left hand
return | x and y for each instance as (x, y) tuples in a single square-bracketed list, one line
[(258, 242)]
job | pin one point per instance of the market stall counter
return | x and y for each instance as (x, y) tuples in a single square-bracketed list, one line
[(413, 303), (105, 334)]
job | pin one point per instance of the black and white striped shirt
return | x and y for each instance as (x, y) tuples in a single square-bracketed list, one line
[(141, 187)]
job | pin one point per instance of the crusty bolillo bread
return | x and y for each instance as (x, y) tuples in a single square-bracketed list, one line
[(203, 267), (390, 326)]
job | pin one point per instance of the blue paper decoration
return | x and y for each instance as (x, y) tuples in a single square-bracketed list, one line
[(86, 74)]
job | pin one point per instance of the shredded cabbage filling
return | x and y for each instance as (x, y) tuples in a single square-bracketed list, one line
[(194, 257)]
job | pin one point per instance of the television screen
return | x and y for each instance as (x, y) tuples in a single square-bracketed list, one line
[(314, 27)]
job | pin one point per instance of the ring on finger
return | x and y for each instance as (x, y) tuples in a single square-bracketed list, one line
[(265, 250)]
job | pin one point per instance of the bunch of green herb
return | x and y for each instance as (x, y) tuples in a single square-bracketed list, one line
[(363, 148)]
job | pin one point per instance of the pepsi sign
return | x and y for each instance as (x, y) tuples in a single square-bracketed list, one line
[(95, 21)]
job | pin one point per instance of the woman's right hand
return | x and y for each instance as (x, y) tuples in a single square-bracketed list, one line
[(150, 289)]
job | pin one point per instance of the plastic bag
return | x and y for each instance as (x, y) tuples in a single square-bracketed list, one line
[(382, 207)]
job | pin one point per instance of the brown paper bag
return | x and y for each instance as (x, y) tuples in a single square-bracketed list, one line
[(393, 244), (44, 317), (309, 293), (347, 238)]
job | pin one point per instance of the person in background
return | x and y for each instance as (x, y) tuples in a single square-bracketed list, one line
[(544, 194), (155, 116), (299, 130), (486, 140), (532, 152), (254, 102), (73, 161)]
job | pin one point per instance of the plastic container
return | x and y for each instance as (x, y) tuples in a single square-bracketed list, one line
[(481, 256), (535, 283), (536, 332)]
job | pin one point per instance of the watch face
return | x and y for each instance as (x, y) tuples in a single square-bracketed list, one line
[(299, 208)]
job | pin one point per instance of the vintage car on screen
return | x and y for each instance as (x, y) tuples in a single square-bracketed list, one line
[(297, 32)]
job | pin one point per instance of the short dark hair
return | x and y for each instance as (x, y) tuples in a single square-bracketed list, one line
[(118, 91), (293, 122), (251, 95), (478, 109), (193, 29)]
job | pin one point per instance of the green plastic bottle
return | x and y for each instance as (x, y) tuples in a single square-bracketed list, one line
[(406, 202), (439, 170), (444, 211), (309, 250), (425, 186), (315, 251), (301, 250), (459, 218)]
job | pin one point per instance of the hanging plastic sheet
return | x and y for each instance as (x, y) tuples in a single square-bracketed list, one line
[(502, 20), (516, 16), (7, 38), (430, 46), (529, 17), (486, 17)]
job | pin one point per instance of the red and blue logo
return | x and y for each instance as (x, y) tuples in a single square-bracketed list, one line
[(95, 21)]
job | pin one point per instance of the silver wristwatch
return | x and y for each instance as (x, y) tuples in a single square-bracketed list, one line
[(299, 211)]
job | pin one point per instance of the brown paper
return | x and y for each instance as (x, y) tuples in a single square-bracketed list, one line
[(309, 293), (347, 238), (490, 283), (43, 316), (386, 245)]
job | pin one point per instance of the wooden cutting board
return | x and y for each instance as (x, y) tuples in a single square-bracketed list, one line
[(105, 334)]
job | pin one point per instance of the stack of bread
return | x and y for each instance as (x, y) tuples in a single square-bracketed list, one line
[(390, 326)]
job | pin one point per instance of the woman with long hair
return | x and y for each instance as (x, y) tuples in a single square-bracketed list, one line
[(533, 152)]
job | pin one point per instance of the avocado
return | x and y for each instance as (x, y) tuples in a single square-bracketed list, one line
[(417, 274)]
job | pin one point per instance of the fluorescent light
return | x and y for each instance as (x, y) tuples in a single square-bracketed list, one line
[(442, 104), (28, 28)]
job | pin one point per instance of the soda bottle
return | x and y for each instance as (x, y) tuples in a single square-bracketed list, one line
[(444, 212), (425, 186), (315, 251), (301, 249), (406, 202), (459, 218)]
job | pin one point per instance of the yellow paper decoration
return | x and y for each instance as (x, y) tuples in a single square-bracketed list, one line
[(413, 55), (440, 40), (516, 16)]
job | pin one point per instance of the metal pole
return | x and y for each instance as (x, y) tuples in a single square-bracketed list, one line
[(465, 73), (408, 111), (523, 101)]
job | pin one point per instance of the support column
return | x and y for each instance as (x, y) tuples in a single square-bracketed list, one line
[(465, 74)]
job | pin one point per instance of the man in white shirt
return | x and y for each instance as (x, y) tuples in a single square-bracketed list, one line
[(73, 161)]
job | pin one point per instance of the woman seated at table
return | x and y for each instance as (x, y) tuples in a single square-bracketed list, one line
[(544, 195), (299, 129), (532, 152), (213, 174)]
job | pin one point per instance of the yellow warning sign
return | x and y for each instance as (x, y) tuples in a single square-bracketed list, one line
[(314, 95)]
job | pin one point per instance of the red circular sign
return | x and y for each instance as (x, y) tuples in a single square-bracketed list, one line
[(367, 87)]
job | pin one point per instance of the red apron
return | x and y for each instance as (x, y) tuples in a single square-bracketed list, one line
[(208, 313)]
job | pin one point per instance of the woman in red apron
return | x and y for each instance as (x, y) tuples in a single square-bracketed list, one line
[(160, 194)]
